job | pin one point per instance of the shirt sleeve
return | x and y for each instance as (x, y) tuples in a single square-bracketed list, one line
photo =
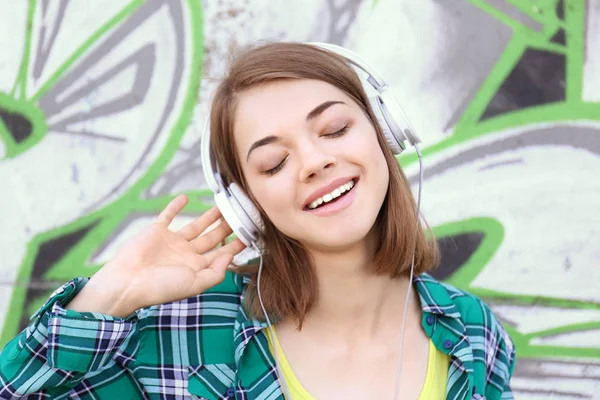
[(59, 347), (500, 356), (507, 394)]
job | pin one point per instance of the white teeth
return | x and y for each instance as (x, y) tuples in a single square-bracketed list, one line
[(330, 196)]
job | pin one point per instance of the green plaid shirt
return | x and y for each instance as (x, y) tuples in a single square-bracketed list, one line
[(206, 347)]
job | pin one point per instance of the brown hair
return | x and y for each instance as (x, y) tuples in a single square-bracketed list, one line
[(288, 270)]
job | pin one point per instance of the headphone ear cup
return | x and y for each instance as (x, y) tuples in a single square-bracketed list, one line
[(235, 217), (399, 124), (395, 145), (246, 257), (247, 207), (376, 105)]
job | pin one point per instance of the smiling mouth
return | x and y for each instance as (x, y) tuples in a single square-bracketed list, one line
[(332, 197)]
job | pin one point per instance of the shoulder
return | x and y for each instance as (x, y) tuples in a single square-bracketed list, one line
[(442, 298), (477, 316), (490, 343), (472, 310)]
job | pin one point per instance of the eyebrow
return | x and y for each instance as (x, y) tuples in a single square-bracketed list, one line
[(318, 110), (315, 112), (262, 142)]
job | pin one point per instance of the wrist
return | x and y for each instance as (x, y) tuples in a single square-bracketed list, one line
[(100, 299)]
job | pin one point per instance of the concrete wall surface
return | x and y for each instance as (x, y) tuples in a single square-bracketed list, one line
[(102, 104)]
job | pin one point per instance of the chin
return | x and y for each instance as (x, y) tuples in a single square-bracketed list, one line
[(337, 238)]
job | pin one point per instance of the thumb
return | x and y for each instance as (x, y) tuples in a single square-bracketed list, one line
[(215, 273)]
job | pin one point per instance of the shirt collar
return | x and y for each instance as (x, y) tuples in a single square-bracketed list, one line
[(434, 297)]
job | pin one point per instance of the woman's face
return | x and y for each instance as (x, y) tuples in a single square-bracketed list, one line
[(301, 143)]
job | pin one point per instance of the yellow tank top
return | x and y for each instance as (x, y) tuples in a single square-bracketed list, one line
[(434, 387)]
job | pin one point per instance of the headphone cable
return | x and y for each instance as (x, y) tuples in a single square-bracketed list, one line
[(412, 268)]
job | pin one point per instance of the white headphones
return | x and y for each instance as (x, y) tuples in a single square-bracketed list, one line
[(236, 207)]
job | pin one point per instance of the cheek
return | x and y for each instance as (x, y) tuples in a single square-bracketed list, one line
[(373, 157), (368, 147), (275, 198), (379, 159), (382, 166)]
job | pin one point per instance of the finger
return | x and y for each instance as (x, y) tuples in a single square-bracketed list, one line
[(210, 240), (214, 274), (200, 224), (172, 209), (231, 249)]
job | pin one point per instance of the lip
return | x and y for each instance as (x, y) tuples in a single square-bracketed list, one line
[(333, 208), (328, 188)]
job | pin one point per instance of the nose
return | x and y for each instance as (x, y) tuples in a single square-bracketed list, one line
[(314, 160)]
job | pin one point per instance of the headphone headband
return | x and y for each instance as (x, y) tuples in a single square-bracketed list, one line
[(374, 78)]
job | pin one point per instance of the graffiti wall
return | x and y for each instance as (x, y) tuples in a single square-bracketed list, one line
[(102, 104)]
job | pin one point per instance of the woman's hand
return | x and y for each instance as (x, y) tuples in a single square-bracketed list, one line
[(159, 266)]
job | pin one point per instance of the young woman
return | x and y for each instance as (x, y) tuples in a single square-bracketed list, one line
[(290, 124)]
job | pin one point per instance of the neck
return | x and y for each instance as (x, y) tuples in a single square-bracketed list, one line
[(352, 299)]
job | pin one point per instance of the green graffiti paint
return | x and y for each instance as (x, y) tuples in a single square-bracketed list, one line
[(29, 112), (575, 33), (110, 24), (111, 218), (493, 234), (470, 127), (75, 262), (20, 85)]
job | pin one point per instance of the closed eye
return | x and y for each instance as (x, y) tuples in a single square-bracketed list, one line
[(276, 169), (339, 133), (279, 166)]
